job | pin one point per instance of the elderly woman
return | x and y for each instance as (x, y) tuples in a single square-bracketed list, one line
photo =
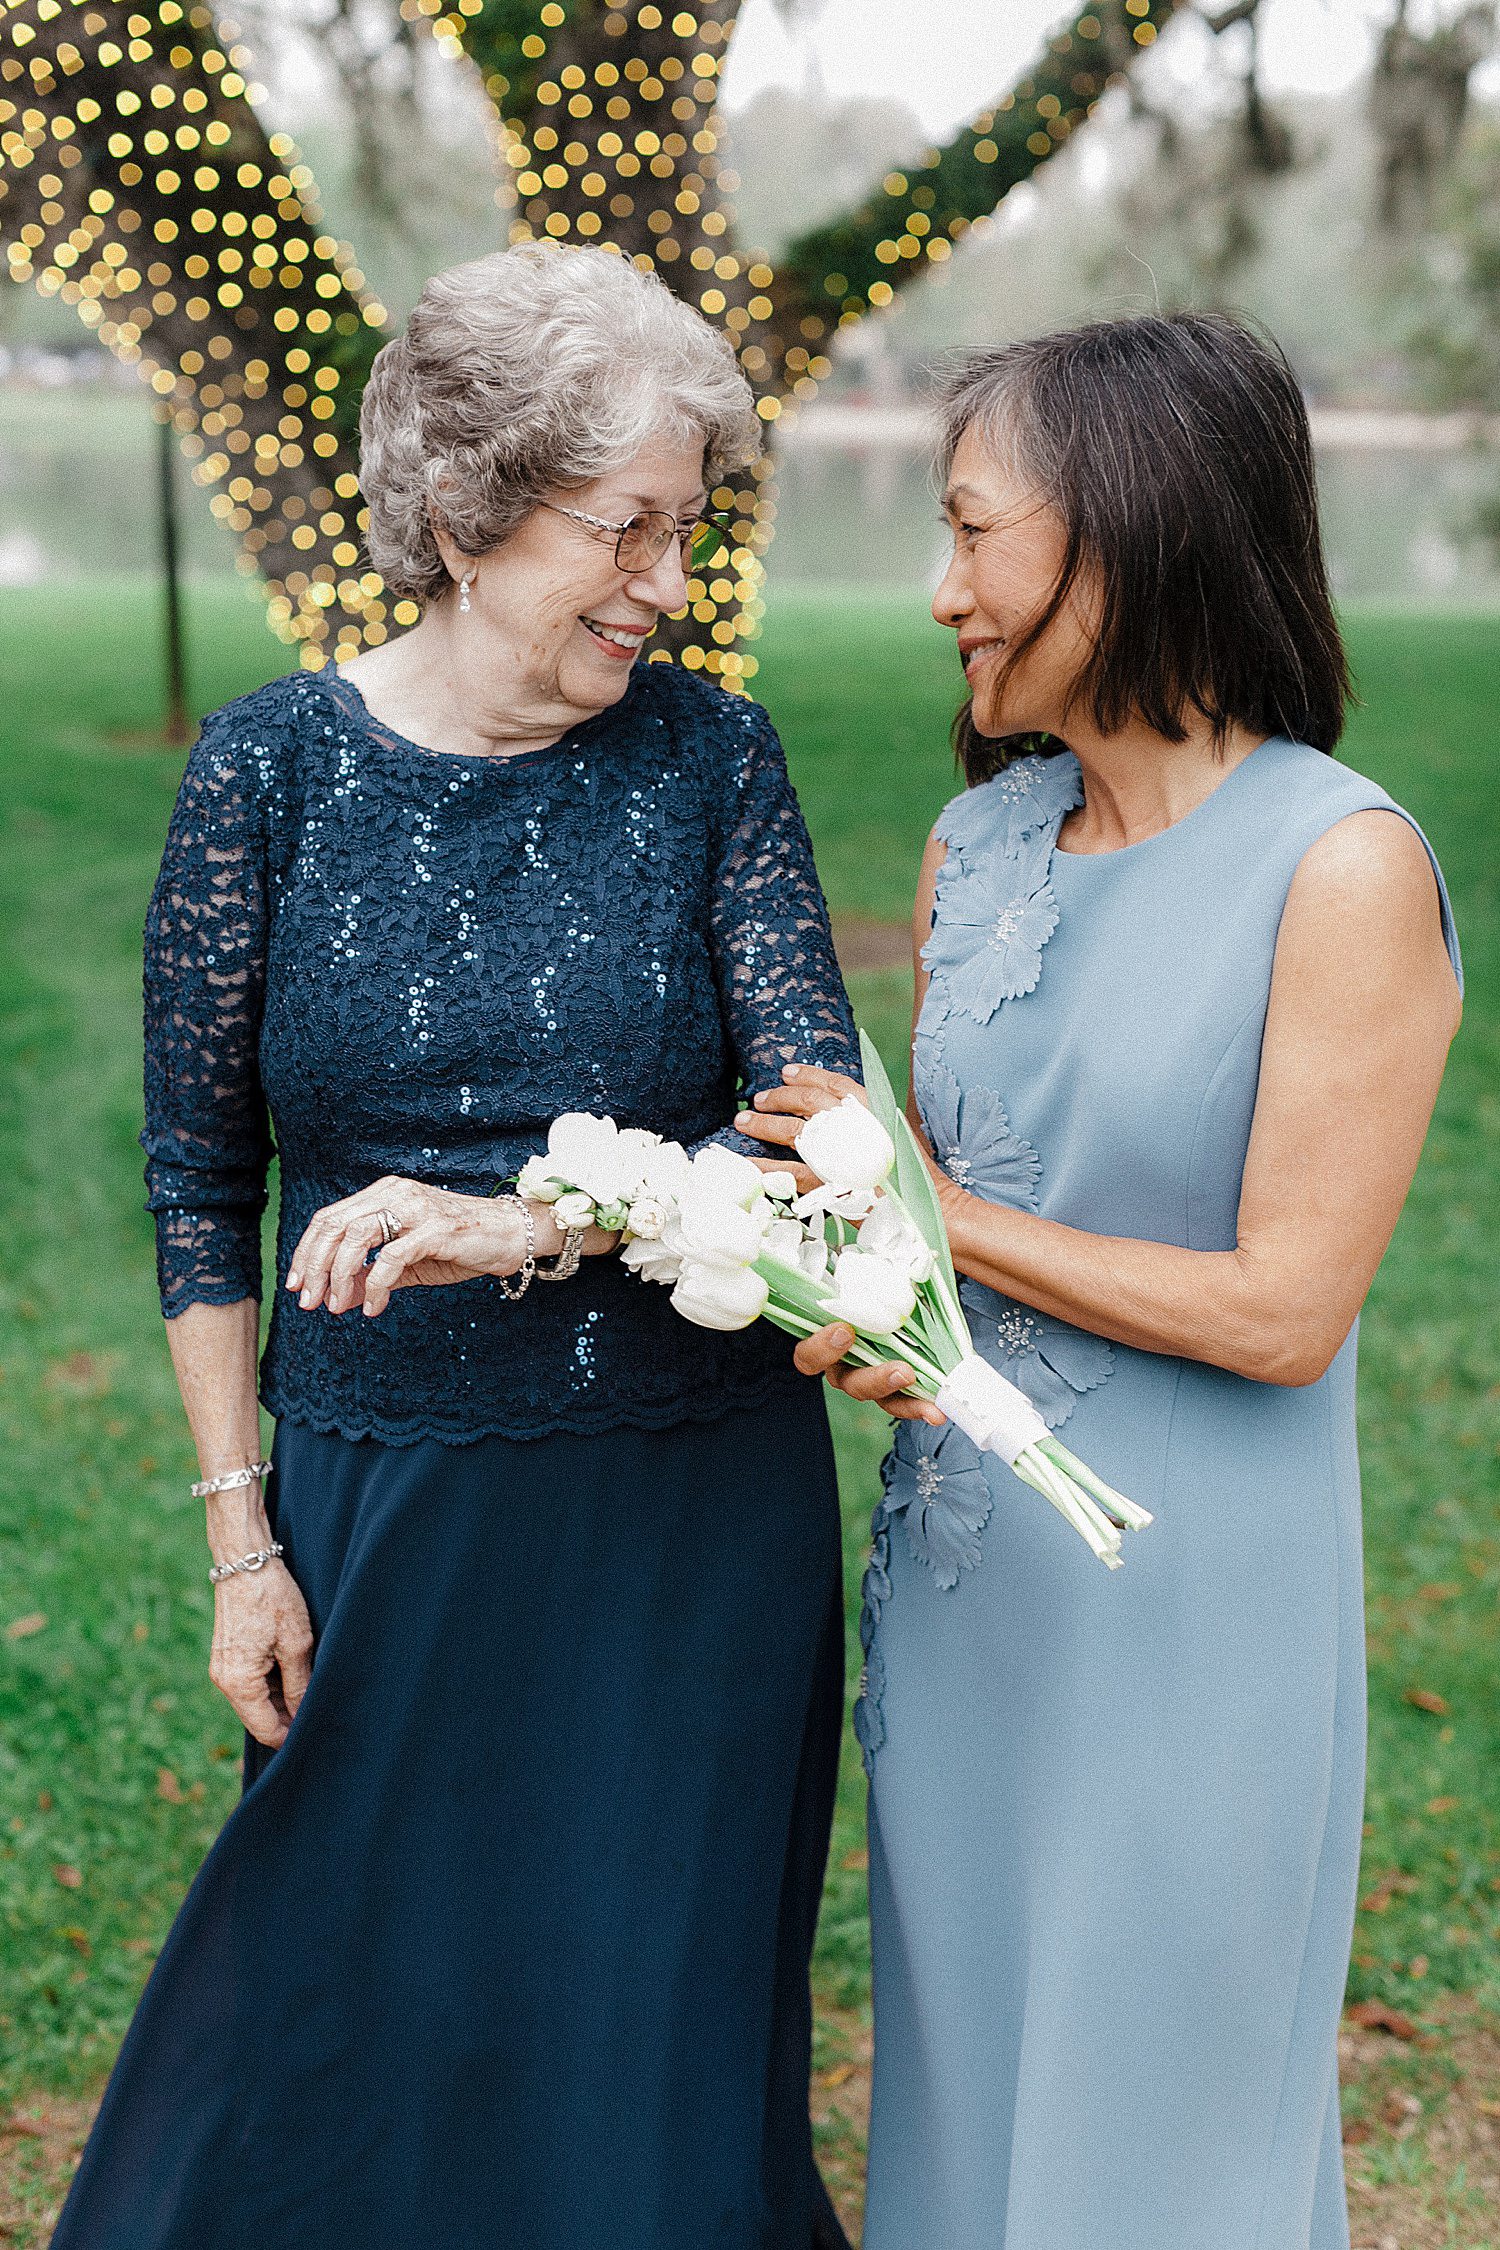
[(536, 1627), (1185, 989)]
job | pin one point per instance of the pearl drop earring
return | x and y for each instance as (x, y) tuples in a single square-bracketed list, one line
[(463, 591)]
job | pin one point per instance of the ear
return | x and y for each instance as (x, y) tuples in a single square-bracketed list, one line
[(457, 564)]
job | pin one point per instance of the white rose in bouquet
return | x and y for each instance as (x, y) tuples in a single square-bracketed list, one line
[(872, 1294), (536, 1183), (652, 1261), (646, 1219), (848, 1147), (781, 1187), (720, 1297), (573, 1209)]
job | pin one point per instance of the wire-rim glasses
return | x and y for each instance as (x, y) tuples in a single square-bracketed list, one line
[(642, 539)]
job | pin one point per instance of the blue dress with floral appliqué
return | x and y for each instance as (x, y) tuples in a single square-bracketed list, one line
[(1115, 1816)]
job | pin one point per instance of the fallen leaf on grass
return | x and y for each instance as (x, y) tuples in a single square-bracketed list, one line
[(840, 2075), (168, 1786), (79, 1939), (1356, 2131), (70, 1878), (44, 1800), (1428, 1699), (19, 2126), (1374, 2015), (1387, 1888), (856, 1862), (22, 1628), (139, 1945), (1439, 1592), (1488, 2109), (1443, 1804)]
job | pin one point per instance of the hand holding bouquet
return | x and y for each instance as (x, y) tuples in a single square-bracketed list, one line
[(866, 1246)]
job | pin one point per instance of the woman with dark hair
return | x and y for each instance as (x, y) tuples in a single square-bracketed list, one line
[(1185, 987)]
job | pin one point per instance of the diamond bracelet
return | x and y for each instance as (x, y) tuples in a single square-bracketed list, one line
[(231, 1481)]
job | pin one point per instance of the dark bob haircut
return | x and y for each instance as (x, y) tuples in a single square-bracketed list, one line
[(1176, 452)]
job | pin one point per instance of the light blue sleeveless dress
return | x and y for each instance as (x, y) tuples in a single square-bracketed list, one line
[(1115, 1816)]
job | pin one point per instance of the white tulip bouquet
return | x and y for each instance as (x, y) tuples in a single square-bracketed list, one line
[(867, 1246)]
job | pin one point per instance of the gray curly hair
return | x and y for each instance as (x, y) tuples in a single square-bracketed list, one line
[(530, 371)]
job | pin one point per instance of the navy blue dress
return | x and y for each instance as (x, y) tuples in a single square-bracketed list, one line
[(508, 1945)]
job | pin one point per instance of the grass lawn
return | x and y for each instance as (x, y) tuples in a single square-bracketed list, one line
[(117, 1759)]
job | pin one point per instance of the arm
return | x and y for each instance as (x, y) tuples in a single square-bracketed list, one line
[(1363, 1008), (208, 1148), (1362, 1011), (781, 992)]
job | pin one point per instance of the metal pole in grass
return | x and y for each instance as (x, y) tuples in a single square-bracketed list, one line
[(177, 719)]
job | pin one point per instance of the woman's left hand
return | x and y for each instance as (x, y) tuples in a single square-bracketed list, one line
[(780, 1112), (443, 1238)]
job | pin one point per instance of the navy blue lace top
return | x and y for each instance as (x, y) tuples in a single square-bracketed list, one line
[(416, 960)]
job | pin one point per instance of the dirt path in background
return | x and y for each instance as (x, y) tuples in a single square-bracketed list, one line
[(1422, 2133)]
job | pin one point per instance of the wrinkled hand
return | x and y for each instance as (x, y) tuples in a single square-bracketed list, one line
[(822, 1353), (778, 1116), (444, 1238), (261, 1657), (780, 1112)]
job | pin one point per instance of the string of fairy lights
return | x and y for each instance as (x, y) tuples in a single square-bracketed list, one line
[(198, 252)]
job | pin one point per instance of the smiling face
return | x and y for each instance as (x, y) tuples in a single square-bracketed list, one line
[(1008, 548), (552, 598)]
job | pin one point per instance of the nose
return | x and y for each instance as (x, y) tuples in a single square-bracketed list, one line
[(954, 599), (664, 585)]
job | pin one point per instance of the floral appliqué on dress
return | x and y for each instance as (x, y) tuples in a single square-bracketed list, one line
[(993, 913)]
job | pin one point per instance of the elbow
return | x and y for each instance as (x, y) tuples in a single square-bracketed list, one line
[(1287, 1353)]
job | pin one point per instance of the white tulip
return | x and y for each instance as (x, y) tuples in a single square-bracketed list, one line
[(712, 1231), (663, 1170), (847, 1147), (712, 1297), (536, 1183), (791, 1245), (890, 1233), (728, 1174), (870, 1293), (779, 1186), (574, 1209), (585, 1152), (854, 1204), (646, 1219), (653, 1261)]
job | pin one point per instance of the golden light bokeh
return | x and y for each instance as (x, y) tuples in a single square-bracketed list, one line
[(198, 253)]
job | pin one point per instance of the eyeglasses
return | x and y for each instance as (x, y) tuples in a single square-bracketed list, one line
[(641, 540)]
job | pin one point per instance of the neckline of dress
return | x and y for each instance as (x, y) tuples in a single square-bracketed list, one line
[(381, 733), (1173, 827)]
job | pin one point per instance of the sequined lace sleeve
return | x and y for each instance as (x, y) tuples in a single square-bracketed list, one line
[(207, 1138), (780, 988)]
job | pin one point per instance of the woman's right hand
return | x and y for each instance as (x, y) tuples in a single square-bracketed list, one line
[(262, 1649), (822, 1353)]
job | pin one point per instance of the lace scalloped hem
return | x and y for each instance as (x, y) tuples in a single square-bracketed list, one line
[(763, 1390)]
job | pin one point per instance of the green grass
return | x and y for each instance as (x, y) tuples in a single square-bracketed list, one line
[(95, 1532)]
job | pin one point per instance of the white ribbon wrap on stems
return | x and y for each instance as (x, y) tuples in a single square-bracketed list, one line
[(999, 1418)]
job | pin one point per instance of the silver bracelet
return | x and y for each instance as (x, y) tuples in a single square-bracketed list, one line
[(516, 1285), (257, 1561), (232, 1481), (566, 1263)]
